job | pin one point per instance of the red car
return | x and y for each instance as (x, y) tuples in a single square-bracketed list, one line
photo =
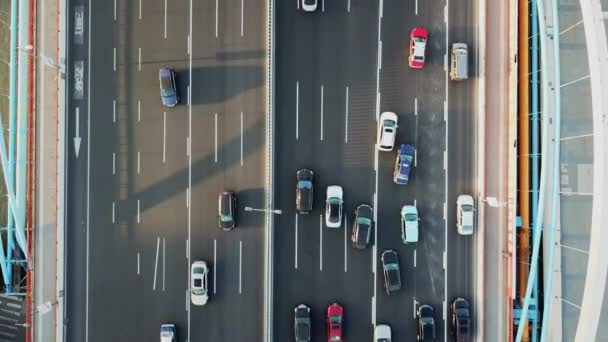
[(335, 321), (418, 39)]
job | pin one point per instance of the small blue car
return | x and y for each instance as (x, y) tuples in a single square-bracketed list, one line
[(168, 91), (403, 164)]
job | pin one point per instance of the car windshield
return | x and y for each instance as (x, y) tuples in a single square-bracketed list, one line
[(304, 184), (467, 207), (198, 270), (335, 319), (334, 208), (389, 124), (411, 217), (419, 39), (406, 159), (364, 221), (303, 331), (391, 267)]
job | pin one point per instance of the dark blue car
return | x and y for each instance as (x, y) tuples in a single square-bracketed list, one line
[(168, 91), (403, 164)]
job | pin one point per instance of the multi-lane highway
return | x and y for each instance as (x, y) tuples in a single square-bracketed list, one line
[(143, 187)]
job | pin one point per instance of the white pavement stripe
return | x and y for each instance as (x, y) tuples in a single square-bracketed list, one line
[(323, 5), (241, 139), (187, 248), (113, 163), (138, 269), (216, 17), (240, 267), (138, 162), (346, 114), (113, 212), (215, 137), (114, 111), (445, 260), (86, 328), (114, 59), (138, 110), (321, 242), (137, 211), (445, 160), (114, 10), (165, 31), (188, 45), (322, 110), (164, 264), (140, 9), (373, 310), (380, 55), (242, 10), (445, 310), (445, 210), (414, 258), (156, 263), (415, 305), (297, 108), (348, 6), (139, 59), (187, 146), (415, 157), (296, 243), (214, 266), (187, 197), (416, 106), (164, 136), (416, 8)]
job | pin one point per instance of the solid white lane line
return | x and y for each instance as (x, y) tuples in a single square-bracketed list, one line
[(139, 59), (321, 112), (86, 328), (139, 9), (164, 136), (137, 211), (187, 248), (380, 55), (113, 163), (346, 121), (138, 162), (415, 305), (138, 263), (138, 110), (189, 167), (415, 157), (156, 263), (241, 139), (374, 310), (188, 45), (114, 111), (296, 244), (415, 106), (187, 146), (445, 160), (214, 266), (114, 59), (414, 258), (321, 242), (215, 137), (113, 212), (242, 9), (345, 254), (188, 94), (216, 17), (297, 107), (114, 10), (240, 267), (163, 264), (165, 32), (187, 197)]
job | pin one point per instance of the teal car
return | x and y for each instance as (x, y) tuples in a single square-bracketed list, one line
[(409, 224)]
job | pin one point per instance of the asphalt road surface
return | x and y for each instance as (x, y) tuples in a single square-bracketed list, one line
[(142, 193)]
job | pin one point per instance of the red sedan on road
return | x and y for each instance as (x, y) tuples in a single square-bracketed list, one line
[(335, 321), (418, 39)]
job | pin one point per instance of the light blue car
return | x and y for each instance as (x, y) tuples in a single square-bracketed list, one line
[(409, 224)]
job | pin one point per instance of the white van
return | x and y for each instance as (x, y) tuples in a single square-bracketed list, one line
[(459, 66), (167, 333)]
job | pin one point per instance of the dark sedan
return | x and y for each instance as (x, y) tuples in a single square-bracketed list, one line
[(426, 323), (168, 91), (362, 226), (392, 273), (227, 210), (461, 320), (302, 323), (304, 191)]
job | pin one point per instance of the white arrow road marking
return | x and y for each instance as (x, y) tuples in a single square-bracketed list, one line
[(77, 139)]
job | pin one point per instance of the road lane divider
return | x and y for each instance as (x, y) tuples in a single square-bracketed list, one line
[(138, 110), (113, 212), (138, 59), (297, 108), (138, 162), (346, 119), (321, 242), (215, 137), (345, 249), (296, 243), (414, 258), (240, 267), (214, 266), (137, 211), (164, 264), (138, 268), (164, 136), (114, 111), (415, 306), (241, 139), (321, 112), (113, 163), (156, 263), (165, 28)]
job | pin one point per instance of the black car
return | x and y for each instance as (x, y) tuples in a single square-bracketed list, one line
[(227, 210), (362, 226), (304, 191), (302, 323), (461, 320), (392, 274), (426, 323)]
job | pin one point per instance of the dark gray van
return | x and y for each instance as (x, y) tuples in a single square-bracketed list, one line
[(459, 66)]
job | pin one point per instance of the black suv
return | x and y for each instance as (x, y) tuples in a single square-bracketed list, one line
[(426, 323), (302, 323), (362, 226), (226, 213), (392, 274), (304, 191), (461, 320)]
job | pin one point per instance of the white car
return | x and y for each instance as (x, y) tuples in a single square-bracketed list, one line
[(167, 332), (333, 206), (382, 333), (387, 131), (199, 293), (309, 5), (465, 220), (409, 224)]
